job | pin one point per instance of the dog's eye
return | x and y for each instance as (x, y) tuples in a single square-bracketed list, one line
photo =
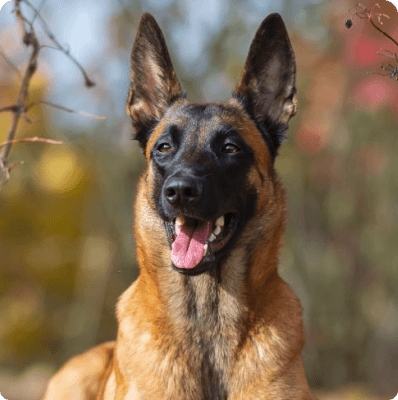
[(230, 148), (164, 148)]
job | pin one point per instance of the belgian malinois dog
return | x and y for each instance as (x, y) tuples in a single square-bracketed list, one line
[(209, 318)]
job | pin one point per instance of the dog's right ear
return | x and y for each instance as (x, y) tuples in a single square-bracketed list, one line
[(154, 84)]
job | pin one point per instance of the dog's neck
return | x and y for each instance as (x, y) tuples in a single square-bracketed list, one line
[(208, 304)]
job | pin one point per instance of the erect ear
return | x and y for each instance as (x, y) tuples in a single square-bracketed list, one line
[(154, 84), (267, 84)]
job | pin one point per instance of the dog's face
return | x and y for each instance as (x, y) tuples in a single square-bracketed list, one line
[(210, 167)]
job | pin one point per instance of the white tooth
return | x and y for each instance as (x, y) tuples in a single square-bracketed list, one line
[(178, 225), (212, 237), (179, 221), (205, 249), (220, 221), (217, 230)]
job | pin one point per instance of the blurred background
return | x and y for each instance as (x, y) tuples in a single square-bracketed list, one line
[(66, 249)]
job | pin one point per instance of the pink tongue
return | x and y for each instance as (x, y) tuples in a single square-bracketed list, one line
[(187, 251)]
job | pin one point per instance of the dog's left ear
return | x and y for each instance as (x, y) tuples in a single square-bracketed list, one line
[(154, 84), (267, 85)]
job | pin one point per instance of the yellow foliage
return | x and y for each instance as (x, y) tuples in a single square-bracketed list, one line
[(59, 170)]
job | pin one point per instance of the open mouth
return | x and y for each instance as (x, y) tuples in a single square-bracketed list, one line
[(194, 241)]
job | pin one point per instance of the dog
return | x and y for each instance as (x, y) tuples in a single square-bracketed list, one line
[(208, 318)]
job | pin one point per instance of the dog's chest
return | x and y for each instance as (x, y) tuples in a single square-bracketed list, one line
[(206, 342), (191, 359), (194, 370), (212, 367)]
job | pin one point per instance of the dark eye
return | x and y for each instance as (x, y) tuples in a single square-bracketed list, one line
[(230, 148), (164, 148)]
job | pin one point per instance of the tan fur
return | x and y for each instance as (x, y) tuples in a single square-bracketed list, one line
[(82, 376), (244, 339)]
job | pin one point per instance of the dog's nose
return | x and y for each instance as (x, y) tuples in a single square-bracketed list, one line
[(181, 192)]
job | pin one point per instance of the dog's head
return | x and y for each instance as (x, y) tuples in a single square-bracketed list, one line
[(210, 166)]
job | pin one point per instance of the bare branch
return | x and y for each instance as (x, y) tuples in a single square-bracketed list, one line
[(13, 108), (383, 32), (23, 110), (15, 164), (6, 171), (20, 108), (388, 53), (86, 114), (31, 139), (29, 39), (367, 13), (88, 81), (41, 5)]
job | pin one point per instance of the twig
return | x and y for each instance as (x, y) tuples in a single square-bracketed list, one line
[(365, 13), (14, 108), (21, 107), (41, 5), (31, 139), (86, 114), (29, 38), (383, 32), (388, 53), (22, 110), (88, 81), (6, 176)]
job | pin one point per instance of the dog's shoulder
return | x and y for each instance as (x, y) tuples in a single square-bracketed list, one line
[(81, 376)]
